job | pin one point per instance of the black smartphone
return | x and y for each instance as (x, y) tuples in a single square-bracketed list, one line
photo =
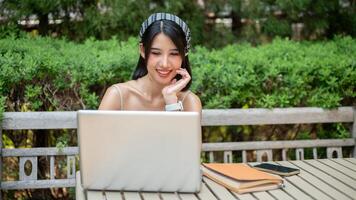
[(277, 169)]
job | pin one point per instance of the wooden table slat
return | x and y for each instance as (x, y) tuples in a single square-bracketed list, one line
[(352, 160), (132, 196), (317, 182), (205, 193), (332, 172), (345, 163), (219, 190), (340, 168), (326, 178), (186, 196), (246, 196), (170, 196), (150, 196), (280, 194), (113, 196), (263, 196), (95, 195), (294, 191), (307, 188)]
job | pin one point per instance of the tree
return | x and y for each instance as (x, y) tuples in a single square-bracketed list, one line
[(43, 11), (103, 19)]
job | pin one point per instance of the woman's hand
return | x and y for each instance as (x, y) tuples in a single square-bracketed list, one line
[(170, 91)]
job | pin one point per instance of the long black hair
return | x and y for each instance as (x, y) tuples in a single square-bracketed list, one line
[(176, 34)]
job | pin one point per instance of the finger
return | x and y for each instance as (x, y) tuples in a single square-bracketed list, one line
[(181, 83), (183, 72), (178, 85)]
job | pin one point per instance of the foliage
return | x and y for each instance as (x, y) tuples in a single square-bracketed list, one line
[(48, 74), (274, 26), (99, 19), (2, 106), (255, 21), (280, 74), (319, 18)]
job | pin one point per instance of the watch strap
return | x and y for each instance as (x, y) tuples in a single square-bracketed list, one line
[(175, 106)]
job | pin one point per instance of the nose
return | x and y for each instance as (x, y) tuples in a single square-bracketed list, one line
[(164, 61)]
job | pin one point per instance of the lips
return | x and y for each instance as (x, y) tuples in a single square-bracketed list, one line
[(163, 73)]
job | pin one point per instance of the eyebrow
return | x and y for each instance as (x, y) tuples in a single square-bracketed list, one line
[(158, 49)]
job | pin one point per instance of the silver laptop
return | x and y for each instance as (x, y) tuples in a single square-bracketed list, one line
[(140, 150)]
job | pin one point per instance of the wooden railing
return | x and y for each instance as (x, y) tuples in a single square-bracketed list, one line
[(67, 120)]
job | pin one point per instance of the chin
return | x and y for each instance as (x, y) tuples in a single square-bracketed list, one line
[(165, 81)]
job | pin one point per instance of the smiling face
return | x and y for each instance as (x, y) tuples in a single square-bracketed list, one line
[(163, 60)]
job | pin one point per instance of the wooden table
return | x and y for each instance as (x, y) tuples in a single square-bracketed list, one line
[(319, 179)]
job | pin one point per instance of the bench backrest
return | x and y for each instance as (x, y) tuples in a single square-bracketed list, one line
[(216, 117)]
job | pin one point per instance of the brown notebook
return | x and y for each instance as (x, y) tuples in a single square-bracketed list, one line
[(240, 177)]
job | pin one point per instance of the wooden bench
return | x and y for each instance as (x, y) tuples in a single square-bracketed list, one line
[(67, 120)]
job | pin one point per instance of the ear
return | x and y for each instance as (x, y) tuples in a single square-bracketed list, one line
[(142, 50)]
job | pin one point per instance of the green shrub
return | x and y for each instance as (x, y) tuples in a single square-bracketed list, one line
[(2, 106), (44, 74), (280, 74), (47, 74)]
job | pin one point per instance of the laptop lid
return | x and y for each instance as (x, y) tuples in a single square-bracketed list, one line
[(140, 150)]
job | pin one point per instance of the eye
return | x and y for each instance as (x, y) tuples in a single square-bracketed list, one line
[(175, 54), (155, 53)]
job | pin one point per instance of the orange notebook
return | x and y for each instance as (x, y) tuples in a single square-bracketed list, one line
[(240, 177)]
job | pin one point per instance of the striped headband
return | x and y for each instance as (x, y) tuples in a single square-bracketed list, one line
[(166, 16)]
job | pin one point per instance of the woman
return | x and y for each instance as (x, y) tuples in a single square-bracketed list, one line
[(163, 75)]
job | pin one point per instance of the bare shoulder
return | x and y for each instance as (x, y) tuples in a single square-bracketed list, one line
[(113, 97), (116, 89), (191, 102), (124, 89)]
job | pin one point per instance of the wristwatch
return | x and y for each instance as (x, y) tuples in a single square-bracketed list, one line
[(175, 106)]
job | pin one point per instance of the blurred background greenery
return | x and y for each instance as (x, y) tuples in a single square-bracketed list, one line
[(61, 55), (214, 23)]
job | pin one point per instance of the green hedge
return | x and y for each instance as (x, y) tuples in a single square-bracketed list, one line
[(280, 74), (49, 74)]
